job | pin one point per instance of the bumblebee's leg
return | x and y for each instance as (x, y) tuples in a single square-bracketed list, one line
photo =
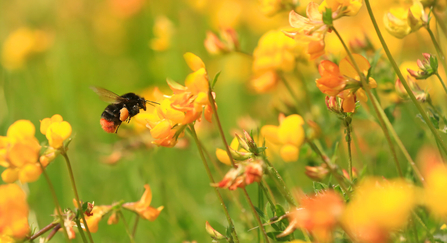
[(116, 130)]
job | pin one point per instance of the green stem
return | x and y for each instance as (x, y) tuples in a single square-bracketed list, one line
[(73, 184), (282, 187), (134, 230), (332, 168), (438, 49), (375, 106), (348, 126), (56, 202), (126, 226), (81, 231), (294, 97), (227, 147), (208, 171), (402, 79), (267, 194), (266, 238), (429, 234), (440, 22), (442, 82)]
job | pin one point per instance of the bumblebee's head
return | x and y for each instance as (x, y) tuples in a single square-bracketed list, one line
[(142, 103)]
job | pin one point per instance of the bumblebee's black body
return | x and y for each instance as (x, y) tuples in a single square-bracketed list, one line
[(121, 108), (132, 102)]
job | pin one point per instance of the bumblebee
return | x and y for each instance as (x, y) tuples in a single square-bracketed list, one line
[(121, 108)]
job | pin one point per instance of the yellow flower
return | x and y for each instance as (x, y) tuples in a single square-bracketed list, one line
[(143, 207), (347, 7), (403, 20), (289, 134), (19, 152), (56, 130), (21, 44), (163, 31), (13, 211), (377, 208), (274, 53)]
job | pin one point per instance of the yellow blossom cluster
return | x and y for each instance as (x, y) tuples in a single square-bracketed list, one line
[(183, 107), (289, 135), (19, 153), (275, 53)]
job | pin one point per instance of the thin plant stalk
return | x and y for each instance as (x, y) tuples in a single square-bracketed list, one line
[(43, 231), (329, 165), (73, 184), (376, 108), (438, 51), (282, 187), (56, 202), (289, 89), (440, 22), (402, 79), (429, 234), (401, 145), (126, 227), (53, 232), (267, 194), (208, 171), (442, 82), (348, 126), (266, 238), (135, 225), (81, 231), (227, 147)]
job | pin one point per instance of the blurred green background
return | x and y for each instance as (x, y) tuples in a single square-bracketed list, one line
[(53, 51)]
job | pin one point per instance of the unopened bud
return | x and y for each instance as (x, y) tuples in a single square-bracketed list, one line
[(428, 67), (213, 233), (240, 155), (317, 173), (354, 173), (113, 219), (242, 142)]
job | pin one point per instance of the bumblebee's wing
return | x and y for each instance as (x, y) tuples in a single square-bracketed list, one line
[(107, 95)]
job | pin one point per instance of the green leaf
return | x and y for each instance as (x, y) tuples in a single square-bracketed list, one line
[(261, 214), (374, 62), (215, 79), (319, 186)]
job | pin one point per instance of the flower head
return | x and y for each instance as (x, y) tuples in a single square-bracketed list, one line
[(13, 211), (289, 135), (318, 214), (143, 208), (245, 174), (428, 67), (403, 20), (227, 42), (56, 130), (377, 208), (344, 82), (96, 214), (19, 152)]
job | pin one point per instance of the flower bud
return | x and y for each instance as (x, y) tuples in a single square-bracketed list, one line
[(240, 155), (213, 233), (317, 173), (427, 67)]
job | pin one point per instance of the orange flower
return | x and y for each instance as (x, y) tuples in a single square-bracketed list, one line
[(97, 213), (19, 152), (245, 174), (318, 214), (13, 211), (334, 80), (143, 207)]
